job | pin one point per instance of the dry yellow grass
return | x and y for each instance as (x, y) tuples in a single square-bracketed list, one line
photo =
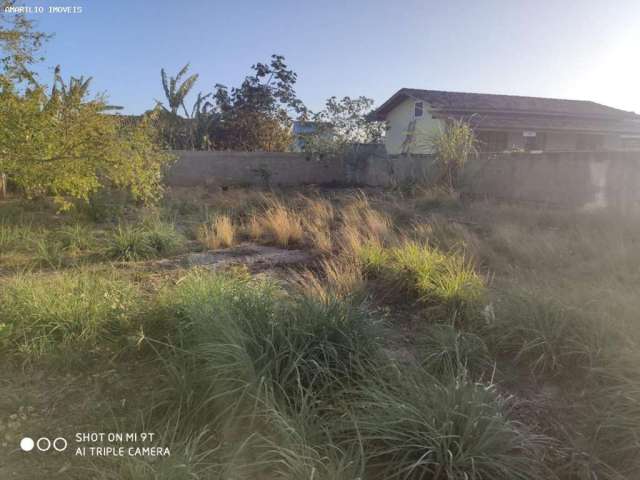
[(340, 277), (281, 225), (254, 228), (219, 233)]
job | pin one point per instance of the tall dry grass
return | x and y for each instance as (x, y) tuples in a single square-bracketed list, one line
[(218, 233)]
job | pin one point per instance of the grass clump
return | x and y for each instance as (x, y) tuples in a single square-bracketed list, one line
[(416, 426), (545, 335), (444, 350), (76, 238), (150, 240), (245, 335), (129, 243), (218, 233), (445, 281), (63, 312), (281, 225)]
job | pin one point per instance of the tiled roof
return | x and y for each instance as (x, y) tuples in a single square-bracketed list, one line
[(548, 122), (489, 111), (513, 103)]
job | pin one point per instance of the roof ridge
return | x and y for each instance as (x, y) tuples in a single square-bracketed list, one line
[(513, 96)]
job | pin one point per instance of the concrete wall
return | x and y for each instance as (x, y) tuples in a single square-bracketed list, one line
[(575, 179), (251, 168)]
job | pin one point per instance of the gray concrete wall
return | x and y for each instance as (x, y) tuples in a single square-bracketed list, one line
[(194, 168), (575, 179)]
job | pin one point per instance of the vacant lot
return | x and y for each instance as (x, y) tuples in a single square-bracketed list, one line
[(333, 334)]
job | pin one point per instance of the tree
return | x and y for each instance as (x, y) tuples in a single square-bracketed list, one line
[(257, 115), (342, 126), (19, 44), (65, 145), (176, 92)]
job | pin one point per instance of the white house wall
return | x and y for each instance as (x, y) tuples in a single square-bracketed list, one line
[(399, 120)]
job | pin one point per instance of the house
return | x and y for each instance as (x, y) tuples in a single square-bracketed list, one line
[(506, 122), (302, 129)]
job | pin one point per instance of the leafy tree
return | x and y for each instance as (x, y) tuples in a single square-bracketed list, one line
[(342, 126), (19, 44), (257, 114), (65, 145), (176, 92)]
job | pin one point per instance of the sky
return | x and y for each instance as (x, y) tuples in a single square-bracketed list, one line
[(579, 49)]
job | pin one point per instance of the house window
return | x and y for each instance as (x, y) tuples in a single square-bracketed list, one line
[(534, 141), (419, 107), (492, 141), (586, 142)]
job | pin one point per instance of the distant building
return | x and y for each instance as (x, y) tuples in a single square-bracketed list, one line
[(508, 122), (304, 128)]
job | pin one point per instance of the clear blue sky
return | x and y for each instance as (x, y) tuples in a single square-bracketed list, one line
[(584, 49)]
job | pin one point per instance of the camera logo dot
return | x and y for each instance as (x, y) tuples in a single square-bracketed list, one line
[(27, 444), (43, 444), (59, 444)]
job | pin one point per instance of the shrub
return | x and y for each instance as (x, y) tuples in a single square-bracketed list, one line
[(63, 312), (416, 426), (219, 233)]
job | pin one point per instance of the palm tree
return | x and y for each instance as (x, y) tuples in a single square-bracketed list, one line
[(175, 92)]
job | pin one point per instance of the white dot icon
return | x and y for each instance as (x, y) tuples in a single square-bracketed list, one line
[(27, 444)]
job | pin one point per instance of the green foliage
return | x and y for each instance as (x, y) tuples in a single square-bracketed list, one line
[(175, 92), (341, 126), (256, 116), (414, 426), (65, 145), (19, 44), (63, 312)]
